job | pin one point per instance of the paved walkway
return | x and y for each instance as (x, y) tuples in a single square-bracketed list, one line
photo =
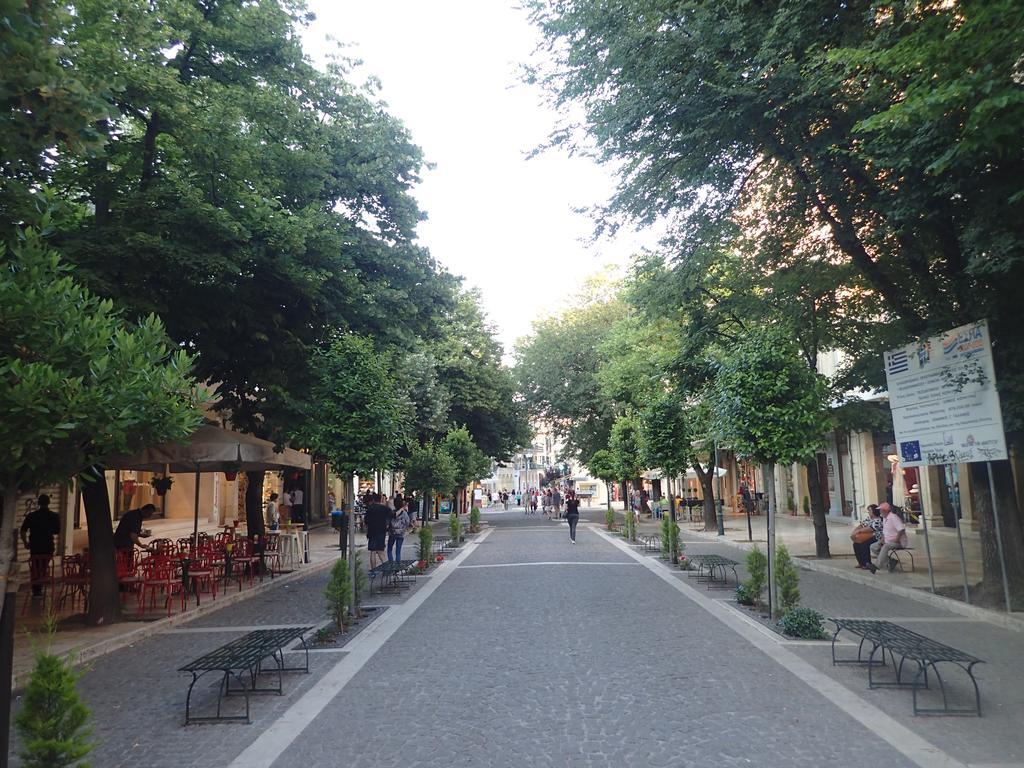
[(524, 649)]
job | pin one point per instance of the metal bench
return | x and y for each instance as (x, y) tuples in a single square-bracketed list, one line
[(710, 565), (243, 660), (651, 542), (899, 642), (392, 574), (896, 556)]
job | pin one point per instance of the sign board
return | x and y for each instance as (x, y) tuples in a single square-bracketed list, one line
[(478, 497), (446, 506), (945, 407)]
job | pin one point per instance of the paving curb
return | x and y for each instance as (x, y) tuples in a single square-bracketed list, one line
[(87, 653), (936, 601)]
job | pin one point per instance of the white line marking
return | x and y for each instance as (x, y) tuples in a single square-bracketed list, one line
[(272, 743), (543, 562), (902, 739)]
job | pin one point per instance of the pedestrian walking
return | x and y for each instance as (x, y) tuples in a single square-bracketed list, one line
[(376, 522), (556, 502), (572, 513), (533, 502), (401, 523), (38, 529)]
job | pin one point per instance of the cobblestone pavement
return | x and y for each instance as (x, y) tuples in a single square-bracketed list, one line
[(537, 652)]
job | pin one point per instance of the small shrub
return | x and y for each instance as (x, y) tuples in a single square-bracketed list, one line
[(787, 580), (807, 505), (426, 542), (360, 586), (52, 720), (338, 592), (666, 537), (684, 564), (455, 527), (757, 574), (674, 544), (629, 526), (609, 519), (474, 520), (743, 595), (804, 623)]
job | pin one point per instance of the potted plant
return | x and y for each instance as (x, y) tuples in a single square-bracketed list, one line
[(231, 474), (162, 484)]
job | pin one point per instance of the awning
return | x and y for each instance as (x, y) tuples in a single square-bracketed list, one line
[(212, 449)]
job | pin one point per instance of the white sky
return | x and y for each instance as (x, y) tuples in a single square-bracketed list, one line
[(449, 70)]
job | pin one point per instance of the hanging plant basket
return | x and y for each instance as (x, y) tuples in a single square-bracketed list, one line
[(231, 475), (161, 484)]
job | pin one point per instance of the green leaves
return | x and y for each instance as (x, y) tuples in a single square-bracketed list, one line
[(767, 404), (76, 381), (430, 468), (356, 416), (470, 462)]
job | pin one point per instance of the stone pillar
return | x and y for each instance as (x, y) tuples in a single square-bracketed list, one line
[(968, 522), (931, 496)]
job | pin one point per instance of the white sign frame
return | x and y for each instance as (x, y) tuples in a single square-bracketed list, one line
[(944, 401)]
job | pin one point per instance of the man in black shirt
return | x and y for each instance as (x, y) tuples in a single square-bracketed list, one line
[(572, 513), (129, 528), (376, 521), (37, 532)]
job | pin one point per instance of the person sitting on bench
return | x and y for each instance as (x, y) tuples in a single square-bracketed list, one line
[(894, 536)]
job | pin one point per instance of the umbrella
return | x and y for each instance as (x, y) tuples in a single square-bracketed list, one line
[(211, 449)]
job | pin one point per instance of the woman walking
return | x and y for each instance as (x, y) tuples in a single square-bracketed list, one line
[(572, 513)]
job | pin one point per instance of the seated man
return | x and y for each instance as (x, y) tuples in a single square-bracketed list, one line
[(894, 536)]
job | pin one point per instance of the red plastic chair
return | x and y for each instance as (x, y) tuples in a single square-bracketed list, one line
[(74, 581), (41, 574), (159, 574), (127, 565)]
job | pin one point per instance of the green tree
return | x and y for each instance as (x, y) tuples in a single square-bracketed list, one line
[(481, 391), (845, 140), (602, 466), (470, 462), (338, 593), (624, 447), (772, 408), (78, 383), (357, 416), (52, 720), (429, 469), (557, 368), (788, 579)]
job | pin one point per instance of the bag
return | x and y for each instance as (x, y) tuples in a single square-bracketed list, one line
[(862, 535)]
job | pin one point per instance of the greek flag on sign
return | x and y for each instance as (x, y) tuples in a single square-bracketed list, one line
[(897, 362)]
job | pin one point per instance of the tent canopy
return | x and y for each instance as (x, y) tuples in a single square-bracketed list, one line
[(212, 449)]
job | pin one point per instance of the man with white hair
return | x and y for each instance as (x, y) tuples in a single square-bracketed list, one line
[(894, 536)]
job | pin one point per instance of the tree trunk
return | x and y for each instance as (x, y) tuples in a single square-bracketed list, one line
[(707, 484), (769, 488), (821, 549), (624, 488), (8, 593), (254, 503), (1010, 529), (104, 595), (6, 671)]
